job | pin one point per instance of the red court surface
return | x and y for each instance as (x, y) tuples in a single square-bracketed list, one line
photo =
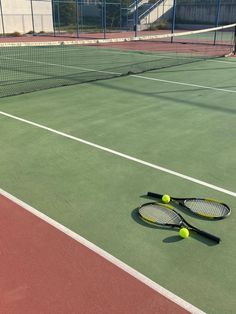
[(43, 270)]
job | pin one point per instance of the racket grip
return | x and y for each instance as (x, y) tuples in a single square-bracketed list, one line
[(208, 235), (154, 195)]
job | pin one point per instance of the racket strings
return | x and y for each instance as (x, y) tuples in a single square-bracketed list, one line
[(207, 208), (159, 214)]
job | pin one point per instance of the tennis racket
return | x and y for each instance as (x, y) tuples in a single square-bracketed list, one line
[(165, 216), (206, 207)]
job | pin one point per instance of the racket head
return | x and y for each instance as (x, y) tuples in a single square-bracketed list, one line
[(160, 214), (204, 207), (165, 216), (207, 208)]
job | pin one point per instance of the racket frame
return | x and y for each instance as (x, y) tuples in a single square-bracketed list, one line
[(183, 222), (181, 201)]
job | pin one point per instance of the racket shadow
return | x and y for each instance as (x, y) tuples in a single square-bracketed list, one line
[(173, 238), (177, 238)]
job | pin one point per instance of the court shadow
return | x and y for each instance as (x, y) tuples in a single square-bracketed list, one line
[(172, 239), (171, 96), (177, 238), (206, 241)]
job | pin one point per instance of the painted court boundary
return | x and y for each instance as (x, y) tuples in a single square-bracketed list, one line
[(184, 84), (114, 152), (131, 271)]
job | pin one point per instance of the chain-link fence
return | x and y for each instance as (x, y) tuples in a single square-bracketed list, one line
[(98, 17), (75, 17)]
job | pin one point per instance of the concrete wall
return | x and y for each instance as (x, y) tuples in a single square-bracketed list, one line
[(17, 16), (188, 14), (201, 14), (163, 10)]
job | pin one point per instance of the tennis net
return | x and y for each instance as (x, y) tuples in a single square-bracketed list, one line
[(32, 66)]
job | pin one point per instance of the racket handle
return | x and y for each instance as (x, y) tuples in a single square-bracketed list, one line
[(208, 235), (154, 195)]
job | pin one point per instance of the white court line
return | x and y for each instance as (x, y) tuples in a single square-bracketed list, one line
[(131, 271), (222, 61), (185, 84), (114, 152), (62, 66)]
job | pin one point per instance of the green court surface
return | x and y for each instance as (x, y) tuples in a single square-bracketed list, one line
[(179, 118)]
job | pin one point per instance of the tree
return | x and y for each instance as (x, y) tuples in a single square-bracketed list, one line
[(65, 12), (113, 11)]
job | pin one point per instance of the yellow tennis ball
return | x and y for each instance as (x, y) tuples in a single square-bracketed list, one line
[(166, 198), (184, 233)]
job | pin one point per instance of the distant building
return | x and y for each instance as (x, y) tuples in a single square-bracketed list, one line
[(24, 16)]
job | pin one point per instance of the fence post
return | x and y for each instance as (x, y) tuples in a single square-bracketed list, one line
[(234, 49), (217, 18), (136, 19), (3, 28), (104, 18), (32, 16), (53, 18), (58, 18), (77, 18), (120, 17), (173, 18)]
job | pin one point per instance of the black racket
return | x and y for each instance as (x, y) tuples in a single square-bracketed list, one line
[(165, 216), (206, 207)]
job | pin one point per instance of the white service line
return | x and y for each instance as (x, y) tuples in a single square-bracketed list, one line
[(114, 152), (115, 261), (62, 66), (184, 84), (232, 63)]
